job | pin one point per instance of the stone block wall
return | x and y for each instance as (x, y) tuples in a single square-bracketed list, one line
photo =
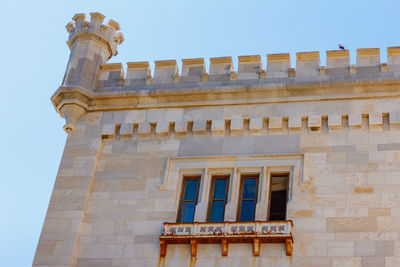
[(107, 207), (111, 195)]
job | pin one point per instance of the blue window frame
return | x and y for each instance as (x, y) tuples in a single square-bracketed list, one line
[(218, 197), (248, 198), (190, 191)]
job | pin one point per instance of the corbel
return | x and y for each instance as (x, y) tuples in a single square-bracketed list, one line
[(256, 246), (225, 247), (289, 247), (193, 247), (163, 248)]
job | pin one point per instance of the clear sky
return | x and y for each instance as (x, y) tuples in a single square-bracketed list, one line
[(35, 56)]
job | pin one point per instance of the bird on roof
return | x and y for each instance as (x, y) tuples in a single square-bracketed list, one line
[(341, 47)]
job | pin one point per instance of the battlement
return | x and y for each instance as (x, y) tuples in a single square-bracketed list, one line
[(108, 34), (91, 84), (251, 68)]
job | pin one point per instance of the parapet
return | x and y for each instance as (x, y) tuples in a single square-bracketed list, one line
[(138, 73), (251, 69), (278, 65), (220, 68), (193, 70), (91, 84), (166, 71), (337, 62), (307, 64), (80, 28)]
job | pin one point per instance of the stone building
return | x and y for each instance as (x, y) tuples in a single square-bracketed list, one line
[(254, 165)]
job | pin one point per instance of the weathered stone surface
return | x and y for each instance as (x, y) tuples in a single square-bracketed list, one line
[(334, 131), (367, 224)]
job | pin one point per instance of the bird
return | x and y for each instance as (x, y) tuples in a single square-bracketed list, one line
[(341, 47)]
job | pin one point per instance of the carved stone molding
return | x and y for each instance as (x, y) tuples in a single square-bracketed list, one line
[(227, 232)]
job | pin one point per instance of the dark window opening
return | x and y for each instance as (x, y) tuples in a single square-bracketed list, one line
[(248, 198), (190, 191), (278, 197), (218, 197)]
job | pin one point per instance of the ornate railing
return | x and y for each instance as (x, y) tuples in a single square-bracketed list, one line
[(227, 232)]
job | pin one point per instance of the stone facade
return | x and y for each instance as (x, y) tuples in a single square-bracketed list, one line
[(334, 129)]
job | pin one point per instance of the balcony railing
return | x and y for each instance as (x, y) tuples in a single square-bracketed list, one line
[(227, 232)]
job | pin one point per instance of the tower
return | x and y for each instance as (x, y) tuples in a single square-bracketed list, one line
[(92, 44)]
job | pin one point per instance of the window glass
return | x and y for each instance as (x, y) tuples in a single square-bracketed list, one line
[(248, 199), (189, 201), (218, 196), (217, 211), (220, 188), (191, 190), (249, 188), (247, 214), (188, 212)]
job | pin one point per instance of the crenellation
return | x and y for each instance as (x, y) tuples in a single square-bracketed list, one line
[(393, 59), (278, 65), (110, 75), (106, 34), (368, 57), (337, 59), (220, 68), (368, 61), (138, 73), (166, 71), (79, 17), (249, 67), (193, 70), (113, 24), (337, 62), (97, 18), (307, 64)]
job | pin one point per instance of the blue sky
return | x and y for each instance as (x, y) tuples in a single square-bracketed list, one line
[(34, 57)]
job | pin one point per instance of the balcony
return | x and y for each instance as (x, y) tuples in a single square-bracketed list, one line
[(227, 232)]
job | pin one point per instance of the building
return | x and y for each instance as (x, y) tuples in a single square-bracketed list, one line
[(274, 166)]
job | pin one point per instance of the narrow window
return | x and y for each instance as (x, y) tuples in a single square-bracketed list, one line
[(190, 191), (219, 192), (278, 197), (248, 198)]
